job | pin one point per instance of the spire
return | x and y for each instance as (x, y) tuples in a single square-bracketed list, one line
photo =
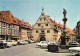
[(42, 9), (42, 13)]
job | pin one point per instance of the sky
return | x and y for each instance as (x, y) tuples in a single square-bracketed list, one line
[(30, 10)]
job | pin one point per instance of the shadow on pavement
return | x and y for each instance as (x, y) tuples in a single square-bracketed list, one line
[(56, 52), (71, 55)]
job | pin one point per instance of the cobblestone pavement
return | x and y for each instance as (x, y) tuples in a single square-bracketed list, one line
[(29, 50)]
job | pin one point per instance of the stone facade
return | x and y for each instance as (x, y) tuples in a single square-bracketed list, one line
[(23, 34), (78, 29), (44, 30)]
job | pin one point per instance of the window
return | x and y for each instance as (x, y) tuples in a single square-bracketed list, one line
[(40, 19), (42, 31), (0, 24), (39, 24), (55, 38), (3, 24), (36, 31), (42, 14), (44, 19), (0, 31), (79, 27), (1, 14), (42, 27), (14, 21), (46, 24), (14, 31), (48, 31)]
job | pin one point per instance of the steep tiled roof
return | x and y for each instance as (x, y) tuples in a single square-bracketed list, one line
[(52, 22), (70, 31), (6, 16), (74, 30), (60, 25)]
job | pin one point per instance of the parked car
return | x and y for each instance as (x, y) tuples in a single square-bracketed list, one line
[(26, 42), (9, 44), (13, 42), (47, 43), (22, 42), (29, 41), (74, 50), (73, 43), (43, 44), (3, 43)]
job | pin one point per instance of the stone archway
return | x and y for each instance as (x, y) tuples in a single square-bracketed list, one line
[(42, 38)]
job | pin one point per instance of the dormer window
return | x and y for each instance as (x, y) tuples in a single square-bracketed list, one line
[(0, 14), (14, 21)]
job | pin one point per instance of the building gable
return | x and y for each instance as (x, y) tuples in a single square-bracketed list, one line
[(43, 21)]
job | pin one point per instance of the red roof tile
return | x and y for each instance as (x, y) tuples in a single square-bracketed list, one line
[(70, 31), (6, 16), (60, 25), (74, 30)]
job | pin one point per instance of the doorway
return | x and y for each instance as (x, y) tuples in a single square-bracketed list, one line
[(42, 38)]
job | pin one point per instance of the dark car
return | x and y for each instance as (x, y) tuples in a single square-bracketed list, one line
[(3, 43)]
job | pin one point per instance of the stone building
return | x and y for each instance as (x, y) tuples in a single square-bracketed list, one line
[(24, 31), (47, 29), (11, 27), (78, 29)]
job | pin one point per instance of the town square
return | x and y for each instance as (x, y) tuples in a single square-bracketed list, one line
[(39, 28)]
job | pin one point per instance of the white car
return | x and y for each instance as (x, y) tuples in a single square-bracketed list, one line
[(32, 41), (74, 43), (9, 44), (13, 42), (74, 50), (26, 42), (43, 44), (46, 44), (22, 42)]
